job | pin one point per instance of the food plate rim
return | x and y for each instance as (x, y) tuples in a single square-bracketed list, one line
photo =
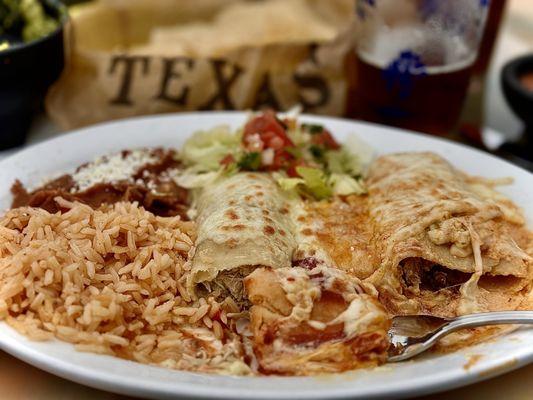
[(322, 387)]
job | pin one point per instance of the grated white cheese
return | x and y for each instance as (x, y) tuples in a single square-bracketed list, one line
[(113, 168)]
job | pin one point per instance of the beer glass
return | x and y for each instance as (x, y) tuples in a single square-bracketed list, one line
[(413, 61)]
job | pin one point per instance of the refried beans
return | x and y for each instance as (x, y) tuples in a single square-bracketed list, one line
[(150, 184)]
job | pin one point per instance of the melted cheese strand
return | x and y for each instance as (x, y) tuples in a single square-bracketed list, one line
[(469, 290)]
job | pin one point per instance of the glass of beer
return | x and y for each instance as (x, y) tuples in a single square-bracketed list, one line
[(413, 61)]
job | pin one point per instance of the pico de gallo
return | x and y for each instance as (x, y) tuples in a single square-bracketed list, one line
[(300, 156)]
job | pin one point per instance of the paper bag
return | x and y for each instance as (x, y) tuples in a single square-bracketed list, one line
[(137, 57)]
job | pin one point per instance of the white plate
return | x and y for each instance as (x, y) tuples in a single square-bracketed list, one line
[(425, 375)]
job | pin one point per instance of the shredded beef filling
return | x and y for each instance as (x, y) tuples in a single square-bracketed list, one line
[(231, 282), (426, 275)]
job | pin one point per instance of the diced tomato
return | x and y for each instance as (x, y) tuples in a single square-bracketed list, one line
[(281, 160), (291, 170), (229, 159), (276, 143), (270, 130), (325, 139), (272, 134)]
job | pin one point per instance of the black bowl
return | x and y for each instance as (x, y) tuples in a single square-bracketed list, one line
[(521, 101), (519, 98), (26, 72)]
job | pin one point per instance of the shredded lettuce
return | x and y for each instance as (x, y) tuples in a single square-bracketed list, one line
[(353, 158), (289, 184), (206, 149), (363, 152), (299, 137), (315, 182), (191, 178), (312, 182), (344, 185), (342, 162)]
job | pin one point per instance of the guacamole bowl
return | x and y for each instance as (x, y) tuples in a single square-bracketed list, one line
[(27, 69)]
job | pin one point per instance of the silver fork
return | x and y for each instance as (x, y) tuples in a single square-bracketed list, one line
[(411, 335)]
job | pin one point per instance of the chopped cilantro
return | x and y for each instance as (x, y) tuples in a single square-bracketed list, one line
[(294, 151), (250, 161), (317, 152), (313, 129)]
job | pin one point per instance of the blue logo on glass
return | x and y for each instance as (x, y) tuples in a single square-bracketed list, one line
[(402, 71)]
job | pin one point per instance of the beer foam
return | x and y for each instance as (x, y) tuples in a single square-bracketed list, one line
[(439, 50)]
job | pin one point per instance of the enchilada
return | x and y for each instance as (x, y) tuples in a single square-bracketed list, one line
[(243, 223), (446, 246), (314, 319)]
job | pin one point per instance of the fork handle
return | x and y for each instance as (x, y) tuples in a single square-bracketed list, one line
[(485, 319), (465, 321)]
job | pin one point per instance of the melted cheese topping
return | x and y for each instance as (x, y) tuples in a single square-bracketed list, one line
[(469, 290), (360, 316), (300, 291), (303, 287), (423, 208), (113, 168)]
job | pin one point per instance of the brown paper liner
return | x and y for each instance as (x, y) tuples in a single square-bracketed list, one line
[(118, 68)]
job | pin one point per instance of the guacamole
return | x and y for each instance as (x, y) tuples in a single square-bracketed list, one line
[(25, 20)]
